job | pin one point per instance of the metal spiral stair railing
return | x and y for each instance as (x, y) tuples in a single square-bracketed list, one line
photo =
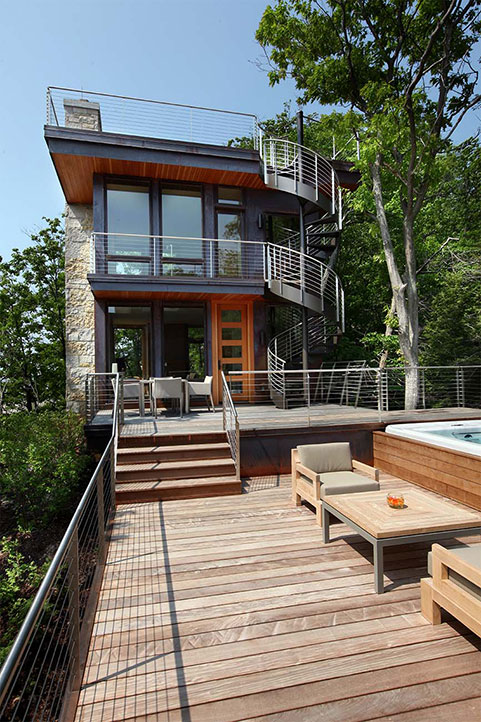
[(300, 171)]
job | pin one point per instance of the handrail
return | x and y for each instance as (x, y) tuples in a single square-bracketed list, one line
[(371, 387), (144, 117), (230, 423), (13, 662), (295, 169)]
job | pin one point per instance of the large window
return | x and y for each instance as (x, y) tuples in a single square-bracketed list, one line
[(229, 227), (128, 212), (182, 231)]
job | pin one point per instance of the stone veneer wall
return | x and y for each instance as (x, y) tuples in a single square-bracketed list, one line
[(80, 305)]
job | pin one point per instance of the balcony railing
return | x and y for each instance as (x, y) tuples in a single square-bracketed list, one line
[(156, 119), (120, 254)]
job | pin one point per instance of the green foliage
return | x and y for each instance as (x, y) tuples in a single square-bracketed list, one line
[(404, 72), (43, 463), (19, 579), (32, 335)]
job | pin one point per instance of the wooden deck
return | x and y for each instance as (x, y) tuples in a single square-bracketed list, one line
[(219, 610), (265, 416)]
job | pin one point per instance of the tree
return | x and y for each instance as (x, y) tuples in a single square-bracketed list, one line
[(32, 333), (404, 71)]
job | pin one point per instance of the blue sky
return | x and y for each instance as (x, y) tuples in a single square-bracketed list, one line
[(199, 52)]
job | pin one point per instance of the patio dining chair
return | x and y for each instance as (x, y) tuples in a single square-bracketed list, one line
[(319, 470), (166, 388), (199, 388)]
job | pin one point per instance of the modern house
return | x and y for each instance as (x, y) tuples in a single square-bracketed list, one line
[(183, 247)]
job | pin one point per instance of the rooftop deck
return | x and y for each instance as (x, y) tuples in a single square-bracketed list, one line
[(227, 609)]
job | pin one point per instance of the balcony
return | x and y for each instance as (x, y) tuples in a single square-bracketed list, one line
[(177, 264)]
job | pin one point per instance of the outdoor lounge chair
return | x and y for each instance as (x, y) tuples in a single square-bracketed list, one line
[(455, 585), (319, 470)]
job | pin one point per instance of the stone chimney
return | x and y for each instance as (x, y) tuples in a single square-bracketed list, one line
[(82, 114)]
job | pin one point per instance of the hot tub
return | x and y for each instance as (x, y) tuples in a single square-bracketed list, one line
[(459, 435), (443, 456)]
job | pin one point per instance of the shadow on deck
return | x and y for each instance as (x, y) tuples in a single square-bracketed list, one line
[(227, 609)]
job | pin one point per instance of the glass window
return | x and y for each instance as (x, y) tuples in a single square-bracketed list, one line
[(182, 217), (184, 342), (232, 351), (229, 227), (128, 211), (232, 334), (230, 196), (231, 315)]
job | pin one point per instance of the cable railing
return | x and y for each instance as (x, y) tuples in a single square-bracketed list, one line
[(149, 118), (230, 423), (359, 386), (42, 673), (309, 280), (296, 169)]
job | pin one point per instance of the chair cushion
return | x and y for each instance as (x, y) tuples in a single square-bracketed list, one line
[(345, 482), (470, 553), (323, 458)]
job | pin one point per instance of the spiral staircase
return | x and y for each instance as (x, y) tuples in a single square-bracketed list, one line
[(306, 280)]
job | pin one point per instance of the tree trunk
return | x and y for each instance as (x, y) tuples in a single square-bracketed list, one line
[(405, 298)]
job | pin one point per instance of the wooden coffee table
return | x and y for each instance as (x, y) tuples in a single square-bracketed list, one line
[(425, 517)]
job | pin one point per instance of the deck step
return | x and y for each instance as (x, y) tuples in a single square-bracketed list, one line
[(159, 471), (196, 437), (176, 452), (170, 490)]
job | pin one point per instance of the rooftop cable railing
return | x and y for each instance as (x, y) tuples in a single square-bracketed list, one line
[(141, 117), (44, 666)]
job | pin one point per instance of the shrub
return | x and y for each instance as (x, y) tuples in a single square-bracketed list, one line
[(19, 580), (43, 465)]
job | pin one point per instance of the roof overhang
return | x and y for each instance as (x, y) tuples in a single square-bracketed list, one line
[(77, 154)]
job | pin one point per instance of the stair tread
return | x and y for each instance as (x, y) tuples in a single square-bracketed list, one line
[(125, 450), (165, 465), (175, 483)]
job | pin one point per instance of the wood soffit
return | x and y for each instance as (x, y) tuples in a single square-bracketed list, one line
[(78, 154)]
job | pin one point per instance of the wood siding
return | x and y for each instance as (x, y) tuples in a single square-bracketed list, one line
[(451, 473)]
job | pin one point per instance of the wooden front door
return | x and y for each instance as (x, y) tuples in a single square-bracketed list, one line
[(233, 347)]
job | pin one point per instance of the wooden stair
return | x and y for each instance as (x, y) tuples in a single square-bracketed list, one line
[(174, 466)]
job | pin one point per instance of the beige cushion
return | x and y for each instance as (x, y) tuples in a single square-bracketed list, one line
[(345, 482), (323, 458), (472, 555)]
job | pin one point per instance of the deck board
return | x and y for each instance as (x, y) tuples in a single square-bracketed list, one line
[(229, 609)]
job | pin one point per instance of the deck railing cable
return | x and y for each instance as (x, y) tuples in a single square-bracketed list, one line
[(230, 423), (142, 117), (355, 384), (45, 663)]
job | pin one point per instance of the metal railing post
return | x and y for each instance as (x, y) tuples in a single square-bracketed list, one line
[(308, 398), (460, 398), (237, 443), (74, 610)]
